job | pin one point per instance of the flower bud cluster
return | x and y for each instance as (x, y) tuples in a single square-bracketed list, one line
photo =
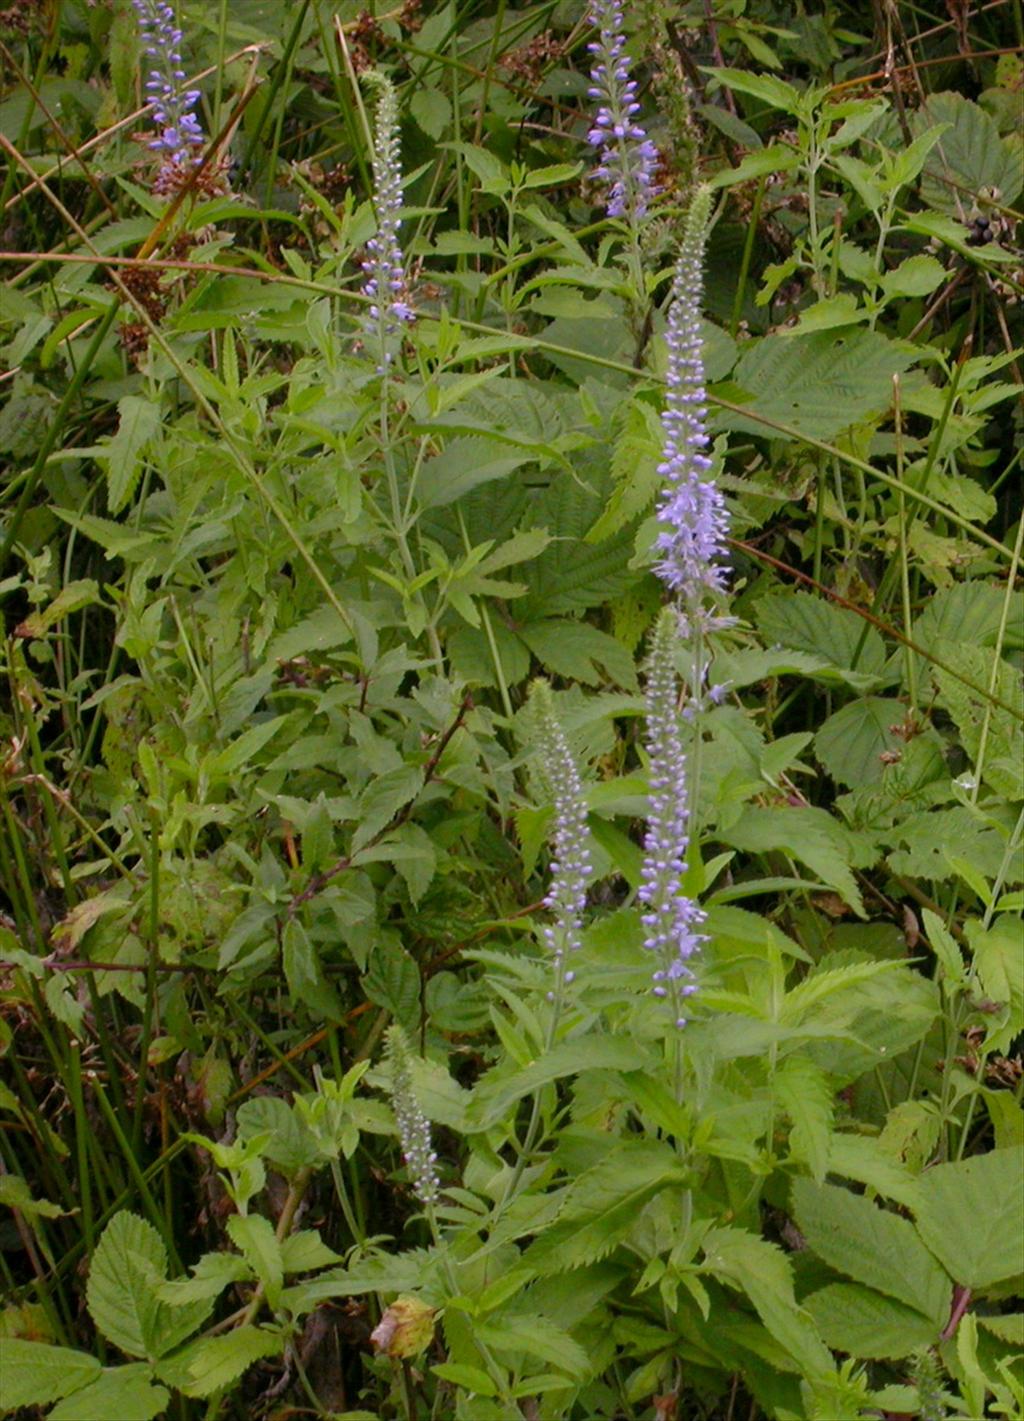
[(413, 1125), (628, 157), (385, 283), (570, 865), (179, 134), (670, 918)]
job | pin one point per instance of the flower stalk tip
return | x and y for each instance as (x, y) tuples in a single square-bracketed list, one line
[(692, 517), (413, 1125), (179, 133), (628, 158), (385, 283)]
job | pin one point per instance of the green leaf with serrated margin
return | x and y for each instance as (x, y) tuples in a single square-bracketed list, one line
[(393, 982), (213, 1363), (602, 1205), (762, 1271), (971, 1216), (471, 1379), (817, 384), (851, 742), (126, 1393), (304, 974), (872, 1246), (863, 1158), (34, 1374), (138, 423), (575, 650), (498, 1090), (810, 835), (864, 1323), (818, 627), (971, 155), (211, 1275), (383, 797), (129, 1264), (807, 1096), (254, 1237)]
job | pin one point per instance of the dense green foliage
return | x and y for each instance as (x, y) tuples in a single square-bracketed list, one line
[(271, 780)]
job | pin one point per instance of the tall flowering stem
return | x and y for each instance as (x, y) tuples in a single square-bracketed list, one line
[(692, 518), (670, 918), (570, 865), (628, 158), (413, 1125), (690, 547), (383, 268), (179, 134)]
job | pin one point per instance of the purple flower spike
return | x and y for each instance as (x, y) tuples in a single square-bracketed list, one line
[(692, 517), (570, 864), (628, 157), (671, 920), (179, 134), (385, 282)]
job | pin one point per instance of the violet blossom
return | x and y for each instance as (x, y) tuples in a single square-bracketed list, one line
[(670, 918), (179, 133), (692, 517), (628, 157), (385, 283)]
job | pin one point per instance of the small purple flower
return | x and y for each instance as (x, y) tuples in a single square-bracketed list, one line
[(385, 283), (671, 920), (692, 517), (628, 157), (413, 1125), (179, 134), (570, 864)]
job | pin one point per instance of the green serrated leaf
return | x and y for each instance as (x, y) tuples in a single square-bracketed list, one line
[(810, 835), (127, 1271), (471, 1379), (393, 982), (254, 1237), (601, 1206), (864, 1323), (971, 156), (817, 626), (872, 1246), (34, 1374), (817, 384), (305, 975), (139, 421), (124, 1392), (575, 650), (129, 1264), (774, 92), (383, 797), (762, 1271), (971, 1216), (807, 1095), (498, 1090), (851, 742), (211, 1275), (213, 1363)]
